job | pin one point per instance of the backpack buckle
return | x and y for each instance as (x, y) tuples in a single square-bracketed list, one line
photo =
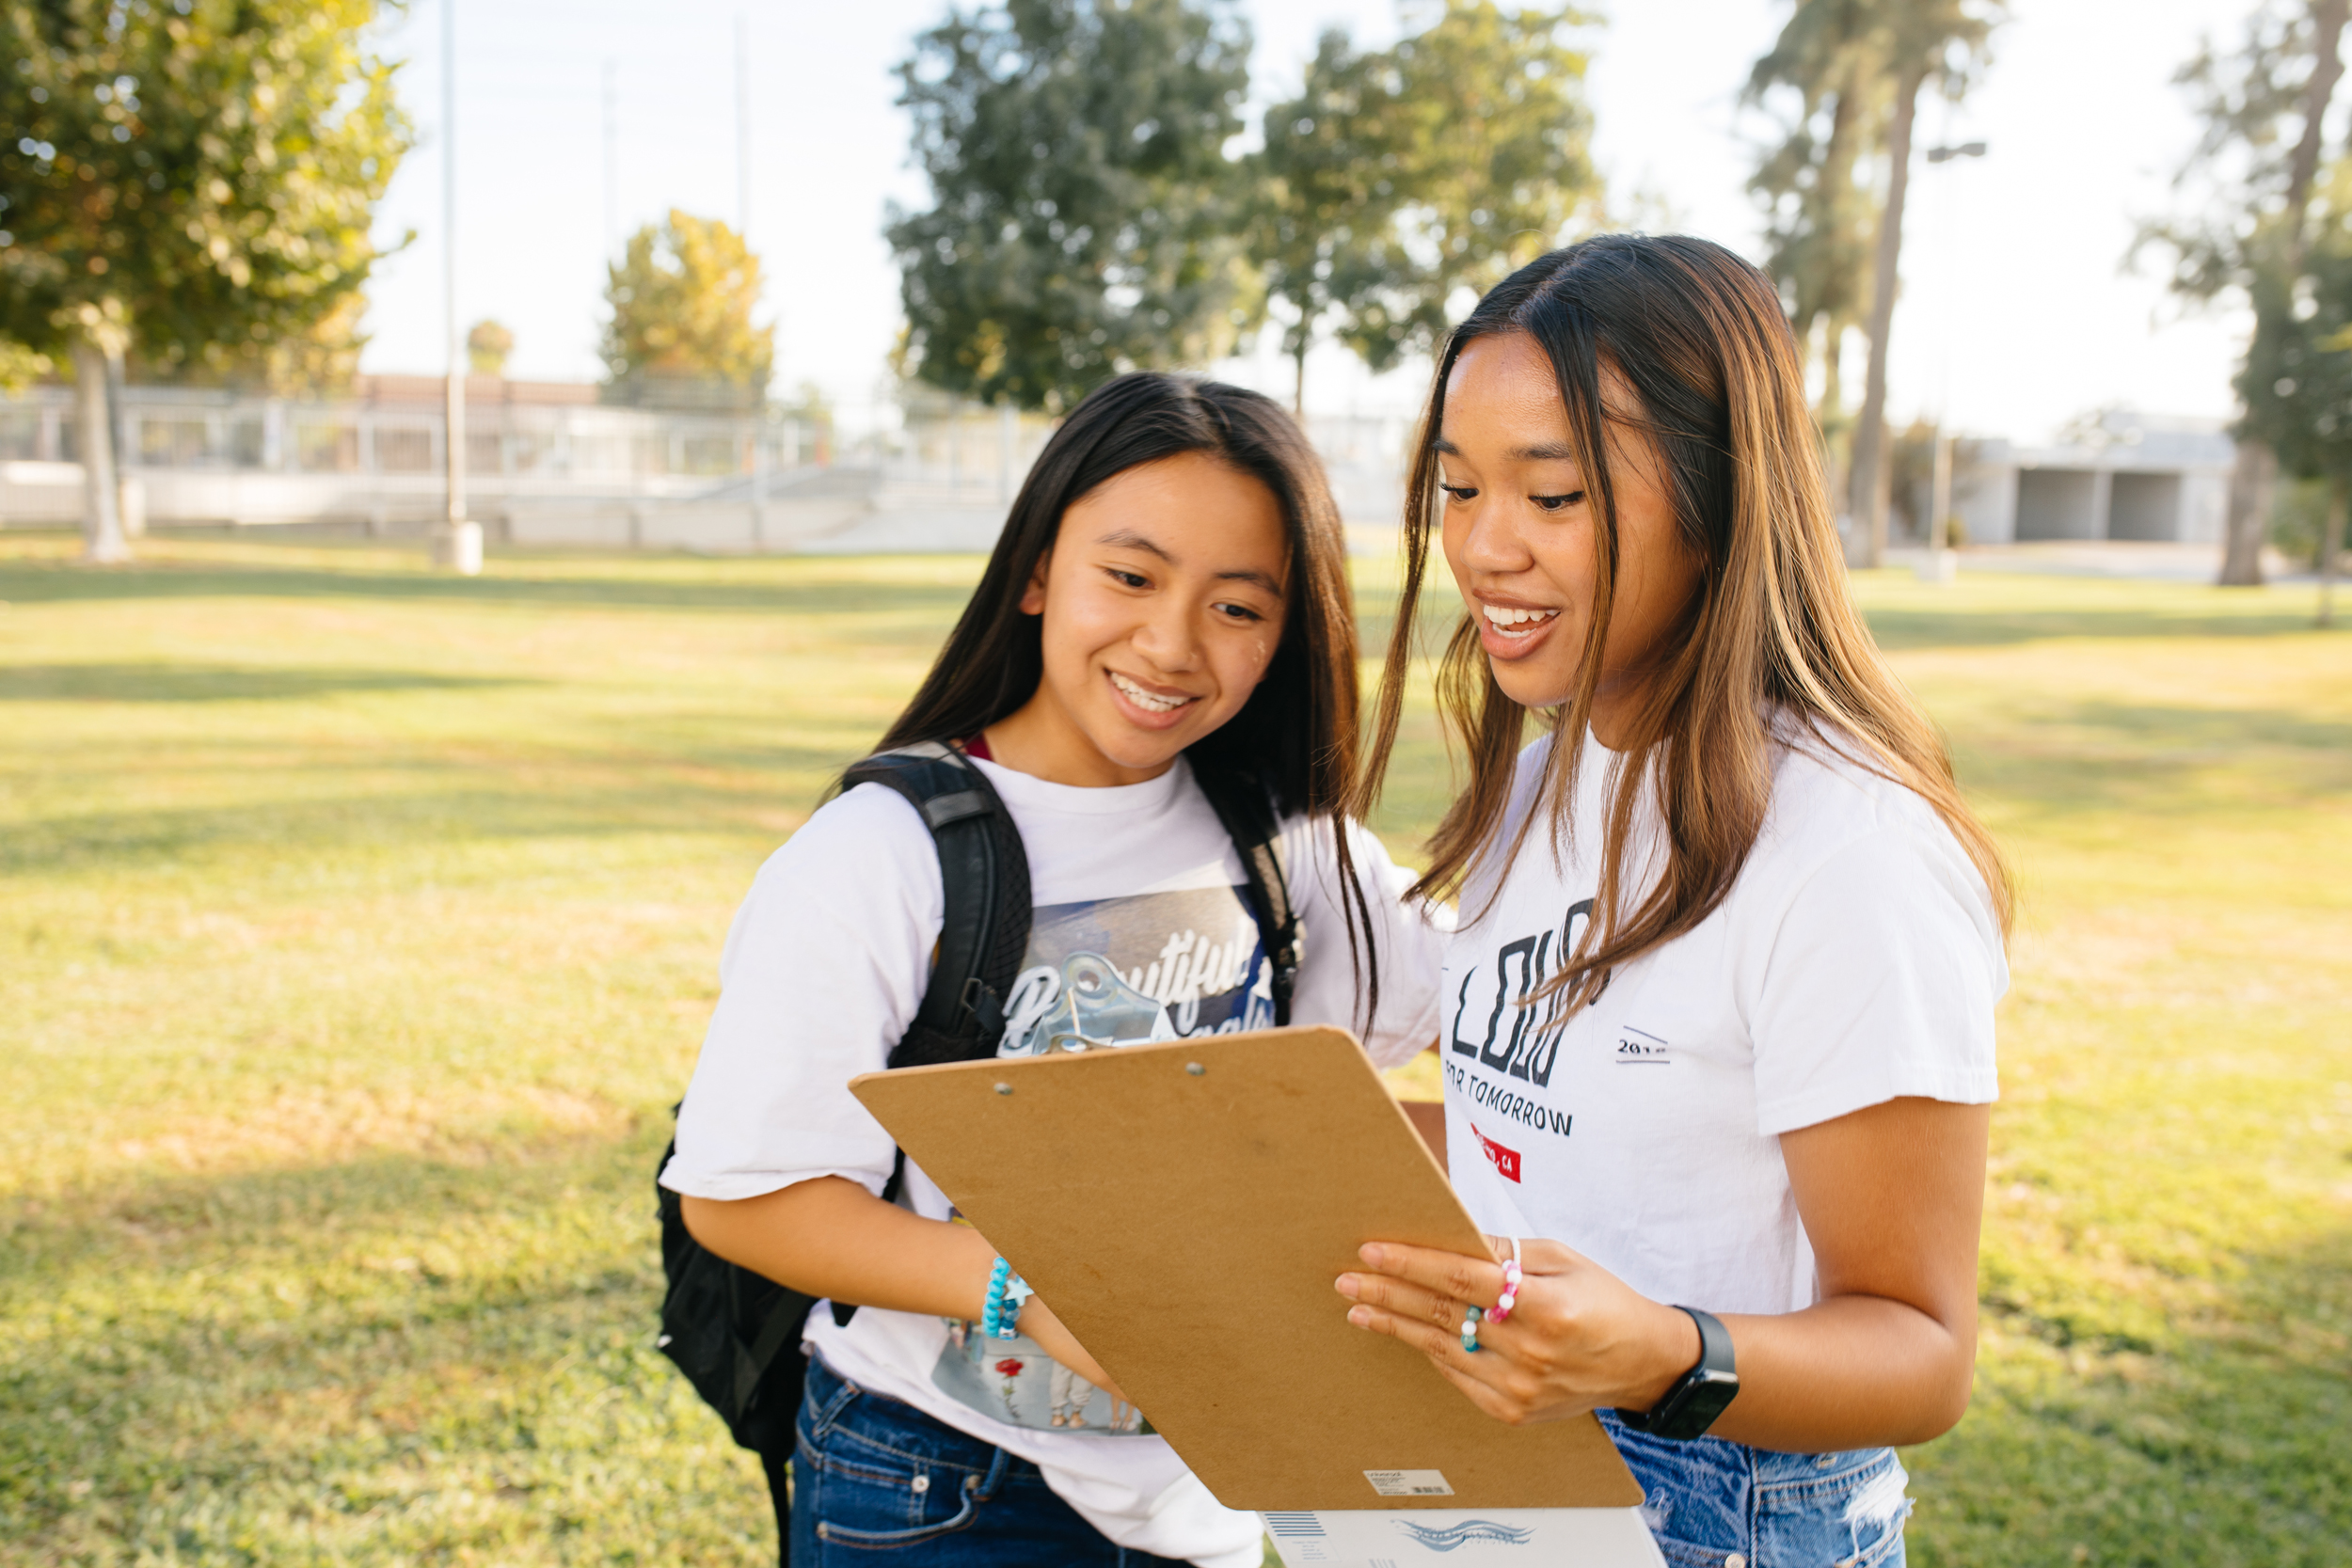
[(983, 1007)]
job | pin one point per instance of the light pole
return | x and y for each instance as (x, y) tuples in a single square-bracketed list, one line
[(1943, 562), (457, 542)]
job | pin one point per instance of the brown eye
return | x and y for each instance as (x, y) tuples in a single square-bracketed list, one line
[(1558, 503)]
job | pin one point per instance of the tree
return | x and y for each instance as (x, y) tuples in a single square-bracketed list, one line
[(1820, 218), (1872, 52), (190, 179), (1396, 178), (1496, 132), (2295, 384), (2250, 183), (682, 297), (1085, 218), (487, 348), (1331, 179)]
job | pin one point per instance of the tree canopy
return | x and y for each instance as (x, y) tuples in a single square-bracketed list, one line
[(2246, 229), (1397, 177), (1085, 218), (682, 297), (192, 181)]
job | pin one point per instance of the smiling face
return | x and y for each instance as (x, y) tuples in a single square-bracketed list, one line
[(1162, 602), (1522, 533)]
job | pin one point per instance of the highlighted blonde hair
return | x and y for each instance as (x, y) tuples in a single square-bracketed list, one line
[(1770, 644)]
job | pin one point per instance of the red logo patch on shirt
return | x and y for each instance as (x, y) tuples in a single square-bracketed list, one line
[(1505, 1160)]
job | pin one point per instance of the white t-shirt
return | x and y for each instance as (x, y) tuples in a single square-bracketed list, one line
[(1856, 959), (1139, 901)]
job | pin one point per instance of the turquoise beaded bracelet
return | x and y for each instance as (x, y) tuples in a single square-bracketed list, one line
[(1006, 1291)]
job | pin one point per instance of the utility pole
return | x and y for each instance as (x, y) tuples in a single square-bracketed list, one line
[(1943, 562), (743, 124), (457, 543), (611, 165)]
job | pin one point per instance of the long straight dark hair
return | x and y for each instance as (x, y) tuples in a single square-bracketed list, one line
[(1769, 647), (1295, 738)]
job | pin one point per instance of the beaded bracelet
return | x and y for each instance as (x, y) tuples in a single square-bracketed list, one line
[(1007, 1291), (1469, 1330), (1511, 1276)]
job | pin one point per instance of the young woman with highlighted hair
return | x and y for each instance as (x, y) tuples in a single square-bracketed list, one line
[(1718, 1024)]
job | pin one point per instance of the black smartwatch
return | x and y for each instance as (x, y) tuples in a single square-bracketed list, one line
[(1702, 1393)]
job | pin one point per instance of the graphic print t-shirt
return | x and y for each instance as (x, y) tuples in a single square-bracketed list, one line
[(1856, 960), (1140, 933)]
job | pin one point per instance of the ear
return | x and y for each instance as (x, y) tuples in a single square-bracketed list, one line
[(1033, 596)]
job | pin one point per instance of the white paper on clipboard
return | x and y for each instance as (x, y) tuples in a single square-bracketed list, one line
[(1473, 1538)]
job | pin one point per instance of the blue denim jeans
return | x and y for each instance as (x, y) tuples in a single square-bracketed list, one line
[(1714, 1504), (876, 1481)]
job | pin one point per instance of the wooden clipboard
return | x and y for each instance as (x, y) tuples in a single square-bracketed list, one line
[(1185, 1207)]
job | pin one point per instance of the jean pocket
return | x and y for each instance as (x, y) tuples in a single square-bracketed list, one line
[(1851, 1520), (861, 1505)]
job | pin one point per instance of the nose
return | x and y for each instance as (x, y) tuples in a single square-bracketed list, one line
[(1484, 538), (1168, 637)]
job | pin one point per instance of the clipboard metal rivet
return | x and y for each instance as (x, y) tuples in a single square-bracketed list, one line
[(1004, 1088), (1195, 1069)]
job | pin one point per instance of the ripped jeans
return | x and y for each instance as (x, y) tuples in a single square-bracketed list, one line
[(1716, 1504)]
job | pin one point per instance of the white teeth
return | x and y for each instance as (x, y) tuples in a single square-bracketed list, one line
[(1150, 702), (1499, 617)]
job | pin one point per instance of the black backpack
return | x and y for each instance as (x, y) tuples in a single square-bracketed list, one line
[(736, 1334)]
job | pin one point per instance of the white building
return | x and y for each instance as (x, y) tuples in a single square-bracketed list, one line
[(2124, 475)]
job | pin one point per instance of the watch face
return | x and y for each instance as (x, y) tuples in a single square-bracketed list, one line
[(1691, 1409), (1709, 1400)]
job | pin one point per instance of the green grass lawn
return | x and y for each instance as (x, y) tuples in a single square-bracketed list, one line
[(358, 926)]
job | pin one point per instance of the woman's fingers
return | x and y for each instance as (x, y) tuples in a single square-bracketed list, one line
[(1492, 1379), (1446, 1273), (1403, 1298), (1442, 1345)]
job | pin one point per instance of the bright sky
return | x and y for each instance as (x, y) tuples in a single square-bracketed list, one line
[(2016, 314)]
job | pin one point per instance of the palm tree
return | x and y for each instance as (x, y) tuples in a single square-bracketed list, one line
[(1852, 56)]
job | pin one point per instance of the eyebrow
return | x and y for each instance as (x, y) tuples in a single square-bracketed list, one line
[(1128, 539), (1542, 452)]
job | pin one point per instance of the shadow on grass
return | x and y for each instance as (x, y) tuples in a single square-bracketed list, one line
[(2225, 1447), (402, 820), (1904, 629), (202, 683), (508, 583), (2097, 758)]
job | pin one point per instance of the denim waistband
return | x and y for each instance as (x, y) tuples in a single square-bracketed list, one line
[(1781, 1482)]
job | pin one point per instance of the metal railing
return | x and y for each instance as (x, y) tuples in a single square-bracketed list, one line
[(567, 469)]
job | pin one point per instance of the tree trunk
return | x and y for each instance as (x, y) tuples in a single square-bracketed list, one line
[(1298, 380), (2250, 488), (2330, 546), (1871, 468), (93, 433), (2328, 19)]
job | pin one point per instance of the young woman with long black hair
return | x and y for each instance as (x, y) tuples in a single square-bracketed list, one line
[(1169, 600), (1718, 1014)]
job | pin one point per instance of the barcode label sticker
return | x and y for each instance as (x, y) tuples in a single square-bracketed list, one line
[(1409, 1483)]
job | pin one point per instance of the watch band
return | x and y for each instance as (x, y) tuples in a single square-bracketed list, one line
[(1701, 1393)]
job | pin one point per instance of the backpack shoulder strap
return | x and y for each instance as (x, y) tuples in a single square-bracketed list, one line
[(1251, 821), (984, 873)]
